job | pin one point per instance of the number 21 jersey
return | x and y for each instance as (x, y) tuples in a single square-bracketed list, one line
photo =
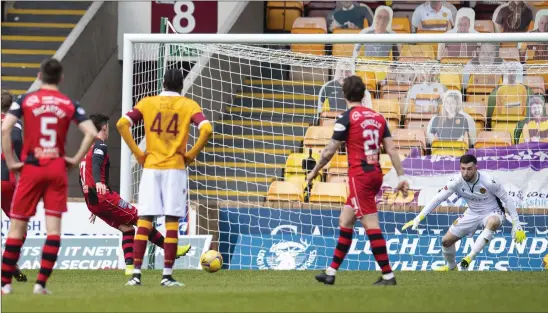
[(167, 119), (363, 131)]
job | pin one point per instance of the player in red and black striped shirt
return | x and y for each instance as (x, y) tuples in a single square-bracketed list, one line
[(363, 130)]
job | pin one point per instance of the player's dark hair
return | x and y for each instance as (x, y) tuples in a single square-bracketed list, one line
[(468, 158), (353, 88), (173, 80), (51, 71), (7, 99), (99, 120)]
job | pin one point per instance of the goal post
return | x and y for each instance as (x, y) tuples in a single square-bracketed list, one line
[(273, 104)]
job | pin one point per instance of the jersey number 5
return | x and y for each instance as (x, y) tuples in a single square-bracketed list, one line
[(172, 126), (51, 134), (371, 143)]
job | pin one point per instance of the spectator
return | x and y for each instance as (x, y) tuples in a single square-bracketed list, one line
[(534, 128), (382, 24), (540, 50), (465, 24), (331, 96), (488, 60), (426, 82), (513, 17), (431, 10), (350, 15), (453, 124)]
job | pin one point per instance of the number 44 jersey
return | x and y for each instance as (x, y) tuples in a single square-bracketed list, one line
[(363, 131), (167, 119)]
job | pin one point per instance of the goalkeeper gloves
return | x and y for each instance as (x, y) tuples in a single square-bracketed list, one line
[(415, 222), (518, 234)]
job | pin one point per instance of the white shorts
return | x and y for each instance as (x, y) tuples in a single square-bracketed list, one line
[(467, 224), (163, 192)]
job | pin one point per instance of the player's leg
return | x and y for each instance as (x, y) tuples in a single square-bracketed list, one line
[(12, 252), (346, 229), (378, 247), (463, 226), (8, 189), (491, 223)]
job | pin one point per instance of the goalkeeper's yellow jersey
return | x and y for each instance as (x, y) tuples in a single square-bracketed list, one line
[(166, 119)]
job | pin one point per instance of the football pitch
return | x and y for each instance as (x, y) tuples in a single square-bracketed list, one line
[(284, 291)]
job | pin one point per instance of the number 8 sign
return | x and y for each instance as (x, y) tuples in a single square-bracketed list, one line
[(186, 16)]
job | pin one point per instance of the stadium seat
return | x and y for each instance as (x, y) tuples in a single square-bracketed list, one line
[(328, 192), (483, 84), (317, 137), (407, 139), (417, 53), (337, 179), (451, 80), (342, 49), (489, 139), (369, 79), (509, 54), (484, 26), (536, 83), (481, 98), (293, 166), (539, 71), (433, 26), (327, 118), (285, 191), (415, 118), (309, 25), (401, 25), (511, 102), (386, 163), (449, 148), (280, 15), (507, 126), (478, 111), (338, 166), (390, 109)]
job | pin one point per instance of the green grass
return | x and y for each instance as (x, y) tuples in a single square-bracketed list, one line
[(286, 291)]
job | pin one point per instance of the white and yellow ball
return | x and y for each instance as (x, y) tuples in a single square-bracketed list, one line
[(211, 261)]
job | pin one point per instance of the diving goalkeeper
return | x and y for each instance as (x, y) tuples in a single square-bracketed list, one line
[(483, 195)]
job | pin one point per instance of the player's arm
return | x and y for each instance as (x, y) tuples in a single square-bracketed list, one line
[(200, 121), (17, 139), (500, 192), (12, 117), (340, 133), (97, 159), (124, 124), (85, 125), (442, 195)]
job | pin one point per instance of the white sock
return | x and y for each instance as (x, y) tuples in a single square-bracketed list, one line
[(136, 271), (331, 271), (168, 271), (449, 256), (485, 236), (388, 276)]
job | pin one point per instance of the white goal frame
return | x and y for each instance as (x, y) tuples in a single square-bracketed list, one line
[(131, 39)]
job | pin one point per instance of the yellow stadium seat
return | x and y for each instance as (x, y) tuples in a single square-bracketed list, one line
[(417, 53), (484, 26), (433, 26), (337, 179), (280, 15), (285, 191), (329, 193), (309, 25), (338, 166), (511, 102), (449, 148), (536, 83), (369, 79), (386, 163), (407, 139), (327, 118), (478, 112), (479, 98), (509, 54), (483, 84), (401, 25), (451, 80), (508, 126), (293, 165), (317, 138), (390, 109), (489, 139), (343, 49)]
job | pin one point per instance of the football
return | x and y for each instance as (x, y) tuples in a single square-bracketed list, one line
[(211, 261)]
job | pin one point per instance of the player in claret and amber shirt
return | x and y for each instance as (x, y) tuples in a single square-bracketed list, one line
[(46, 114), (363, 130), (107, 204), (162, 190)]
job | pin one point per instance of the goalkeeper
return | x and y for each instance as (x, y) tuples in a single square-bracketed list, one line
[(483, 195)]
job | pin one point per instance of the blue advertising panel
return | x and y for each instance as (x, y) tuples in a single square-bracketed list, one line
[(305, 239)]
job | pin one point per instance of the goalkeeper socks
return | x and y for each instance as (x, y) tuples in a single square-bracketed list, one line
[(449, 255), (170, 246), (156, 238), (9, 259), (485, 236), (378, 247), (343, 245), (140, 244), (127, 246), (49, 257)]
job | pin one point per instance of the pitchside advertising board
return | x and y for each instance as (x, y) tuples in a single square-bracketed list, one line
[(305, 239), (98, 246)]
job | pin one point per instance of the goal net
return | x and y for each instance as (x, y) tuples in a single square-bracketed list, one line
[(273, 101)]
